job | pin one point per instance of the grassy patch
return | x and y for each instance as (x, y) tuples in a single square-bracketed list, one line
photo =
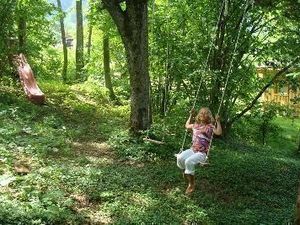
[(85, 169)]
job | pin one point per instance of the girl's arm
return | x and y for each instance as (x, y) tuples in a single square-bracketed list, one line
[(188, 124), (218, 129)]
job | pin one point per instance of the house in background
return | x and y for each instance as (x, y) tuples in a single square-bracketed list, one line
[(283, 94), (69, 41)]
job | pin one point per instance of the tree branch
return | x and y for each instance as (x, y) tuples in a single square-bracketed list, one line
[(114, 9), (276, 76)]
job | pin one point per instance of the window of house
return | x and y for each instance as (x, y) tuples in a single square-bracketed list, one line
[(276, 89)]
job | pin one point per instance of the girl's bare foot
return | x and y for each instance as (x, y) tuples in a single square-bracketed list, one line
[(191, 186), (190, 189)]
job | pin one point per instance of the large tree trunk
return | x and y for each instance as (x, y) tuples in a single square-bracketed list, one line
[(79, 40), (64, 44), (132, 24), (106, 63), (297, 221)]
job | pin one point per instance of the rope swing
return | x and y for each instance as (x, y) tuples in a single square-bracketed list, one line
[(224, 7)]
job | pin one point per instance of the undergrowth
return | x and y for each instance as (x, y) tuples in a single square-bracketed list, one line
[(85, 168)]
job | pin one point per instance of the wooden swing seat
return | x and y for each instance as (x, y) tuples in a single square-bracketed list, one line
[(153, 141), (204, 164)]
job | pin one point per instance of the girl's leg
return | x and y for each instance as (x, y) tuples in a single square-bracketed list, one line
[(181, 158), (191, 183), (193, 160), (190, 163)]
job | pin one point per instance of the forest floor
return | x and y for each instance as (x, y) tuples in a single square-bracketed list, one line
[(68, 162)]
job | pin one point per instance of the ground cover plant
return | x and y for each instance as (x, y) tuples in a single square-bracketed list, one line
[(88, 87), (83, 169)]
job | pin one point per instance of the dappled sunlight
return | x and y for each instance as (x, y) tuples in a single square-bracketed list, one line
[(73, 161), (5, 180), (90, 92), (135, 163), (96, 215), (288, 161), (141, 200), (173, 191), (81, 201), (94, 151), (85, 99), (134, 207)]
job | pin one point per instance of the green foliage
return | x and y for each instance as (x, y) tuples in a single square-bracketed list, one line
[(35, 16), (263, 121), (77, 178), (47, 65), (181, 33), (136, 149), (37, 211), (87, 169), (259, 126), (7, 8), (38, 36)]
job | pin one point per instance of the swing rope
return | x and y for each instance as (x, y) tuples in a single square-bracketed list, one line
[(205, 67), (167, 74), (226, 82), (229, 72)]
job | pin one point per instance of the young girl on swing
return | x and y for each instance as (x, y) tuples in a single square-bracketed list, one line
[(203, 129)]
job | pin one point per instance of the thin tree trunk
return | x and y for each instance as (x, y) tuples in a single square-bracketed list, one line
[(106, 63), (225, 61), (89, 45), (297, 221), (132, 24), (22, 34), (217, 62), (299, 147), (165, 89), (64, 44), (79, 40), (159, 96)]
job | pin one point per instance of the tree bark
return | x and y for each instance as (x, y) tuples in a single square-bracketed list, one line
[(64, 44), (225, 62), (22, 34), (132, 24), (299, 147), (106, 63), (79, 40), (89, 45), (297, 221), (217, 62)]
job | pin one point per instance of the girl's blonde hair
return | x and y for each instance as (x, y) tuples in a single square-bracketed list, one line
[(209, 117)]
